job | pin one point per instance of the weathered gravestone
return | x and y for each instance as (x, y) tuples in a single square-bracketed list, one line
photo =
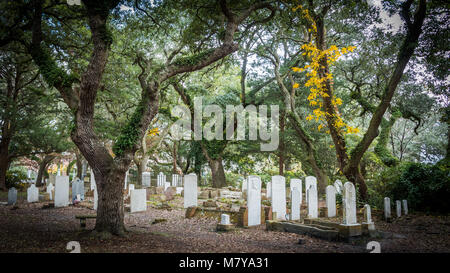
[(297, 183), (62, 191), (349, 204), (349, 226), (254, 200), (12, 196), (269, 190), (225, 219), (295, 203), (312, 200), (310, 180), (190, 190), (368, 225), (338, 186), (387, 209), (331, 201), (405, 207), (244, 185), (51, 179), (146, 178), (32, 194), (279, 196), (138, 200), (50, 189), (77, 188), (398, 207)]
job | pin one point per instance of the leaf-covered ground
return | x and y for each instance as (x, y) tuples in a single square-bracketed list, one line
[(32, 228)]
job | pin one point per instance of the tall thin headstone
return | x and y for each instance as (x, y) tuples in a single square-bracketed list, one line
[(62, 191), (190, 190), (279, 196), (175, 180), (130, 188), (349, 202), (405, 207), (387, 209), (254, 200), (32, 194), (398, 207), (50, 189), (310, 180), (92, 180), (269, 190), (95, 197), (126, 180), (297, 183), (331, 201), (244, 184), (312, 200), (295, 203)]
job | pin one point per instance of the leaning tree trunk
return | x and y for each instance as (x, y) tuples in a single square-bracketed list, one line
[(79, 164), (217, 173), (42, 167)]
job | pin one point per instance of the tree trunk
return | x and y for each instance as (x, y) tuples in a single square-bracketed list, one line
[(281, 147), (42, 167), (217, 173), (4, 163), (79, 163), (110, 213)]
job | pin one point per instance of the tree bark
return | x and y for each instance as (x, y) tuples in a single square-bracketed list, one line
[(42, 167), (217, 173)]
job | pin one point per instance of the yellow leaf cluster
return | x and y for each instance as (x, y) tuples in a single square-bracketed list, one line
[(316, 82)]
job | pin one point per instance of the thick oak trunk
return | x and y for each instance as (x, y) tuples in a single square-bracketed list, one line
[(4, 163), (217, 173)]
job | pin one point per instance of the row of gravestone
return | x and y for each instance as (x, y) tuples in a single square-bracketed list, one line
[(276, 191), (398, 208)]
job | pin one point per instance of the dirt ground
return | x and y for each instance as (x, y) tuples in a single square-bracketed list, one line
[(32, 228)]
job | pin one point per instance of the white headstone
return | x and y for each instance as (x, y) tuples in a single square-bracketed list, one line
[(405, 207), (254, 200), (166, 185), (338, 185), (367, 214), (77, 188), (310, 180), (62, 191), (12, 196), (244, 185), (138, 200), (297, 183), (331, 201), (398, 207), (312, 200), (32, 194), (92, 180), (50, 189), (179, 190), (387, 208), (269, 190), (225, 219), (146, 178), (295, 204), (190, 190), (96, 197), (349, 202), (279, 196), (130, 188)]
